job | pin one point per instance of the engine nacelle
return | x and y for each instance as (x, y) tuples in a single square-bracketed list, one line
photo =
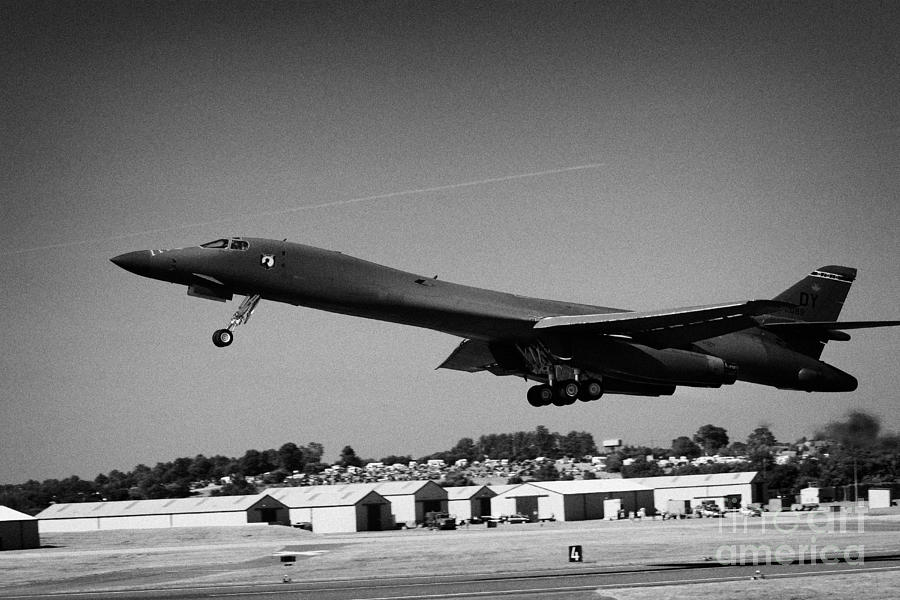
[(639, 363)]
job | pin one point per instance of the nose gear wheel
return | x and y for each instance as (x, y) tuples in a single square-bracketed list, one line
[(224, 337)]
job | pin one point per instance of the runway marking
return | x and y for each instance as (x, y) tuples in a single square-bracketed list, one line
[(560, 590), (557, 590)]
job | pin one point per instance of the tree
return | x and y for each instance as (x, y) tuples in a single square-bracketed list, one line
[(349, 458), (290, 458), (613, 463), (737, 449), (455, 479), (782, 478), (545, 443), (254, 462), (684, 446), (759, 449), (464, 449), (641, 467), (546, 472), (711, 438), (761, 440), (577, 444), (313, 451), (201, 468)]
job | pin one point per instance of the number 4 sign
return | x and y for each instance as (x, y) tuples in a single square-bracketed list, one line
[(575, 554)]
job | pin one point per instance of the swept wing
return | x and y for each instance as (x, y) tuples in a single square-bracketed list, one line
[(667, 328)]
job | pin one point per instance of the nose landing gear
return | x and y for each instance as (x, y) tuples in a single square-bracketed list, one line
[(224, 337)]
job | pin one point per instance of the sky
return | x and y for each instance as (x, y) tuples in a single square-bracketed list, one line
[(632, 154)]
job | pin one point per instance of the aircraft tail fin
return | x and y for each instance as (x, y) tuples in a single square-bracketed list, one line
[(819, 296)]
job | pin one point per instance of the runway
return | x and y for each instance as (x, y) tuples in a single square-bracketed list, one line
[(562, 584)]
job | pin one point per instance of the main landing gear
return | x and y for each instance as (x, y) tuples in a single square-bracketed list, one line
[(566, 392), (224, 337)]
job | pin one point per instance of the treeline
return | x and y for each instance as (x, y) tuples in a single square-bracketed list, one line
[(520, 446), (845, 451), (851, 450), (172, 479), (175, 479)]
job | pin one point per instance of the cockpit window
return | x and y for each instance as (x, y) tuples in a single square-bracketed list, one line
[(223, 244)]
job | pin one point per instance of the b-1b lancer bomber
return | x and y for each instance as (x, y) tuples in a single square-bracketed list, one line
[(573, 351)]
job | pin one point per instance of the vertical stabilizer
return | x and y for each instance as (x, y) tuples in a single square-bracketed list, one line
[(820, 295)]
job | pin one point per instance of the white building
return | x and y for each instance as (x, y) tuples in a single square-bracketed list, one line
[(728, 490), (409, 500), (207, 511), (469, 501), (575, 500), (18, 531), (332, 510)]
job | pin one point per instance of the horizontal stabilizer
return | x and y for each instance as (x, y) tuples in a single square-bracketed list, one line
[(669, 327), (825, 330), (838, 325)]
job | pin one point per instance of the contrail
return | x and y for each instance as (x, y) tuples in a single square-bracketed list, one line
[(282, 211)]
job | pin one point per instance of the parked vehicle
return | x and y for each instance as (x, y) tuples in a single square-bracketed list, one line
[(710, 509), (517, 518), (440, 520)]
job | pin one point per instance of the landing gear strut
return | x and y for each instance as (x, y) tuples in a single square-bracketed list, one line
[(224, 337)]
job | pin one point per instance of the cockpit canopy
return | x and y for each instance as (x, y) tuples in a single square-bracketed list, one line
[(226, 244)]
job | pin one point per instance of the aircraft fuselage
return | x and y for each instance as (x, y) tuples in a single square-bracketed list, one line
[(566, 345)]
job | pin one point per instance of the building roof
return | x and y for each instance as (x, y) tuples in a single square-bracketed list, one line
[(385, 488), (8, 514), (402, 488), (166, 506), (502, 489), (579, 486), (679, 481), (324, 495), (467, 492)]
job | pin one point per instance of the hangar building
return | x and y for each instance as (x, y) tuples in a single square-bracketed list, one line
[(728, 490), (574, 500), (18, 531), (469, 501), (208, 511), (330, 510), (410, 500)]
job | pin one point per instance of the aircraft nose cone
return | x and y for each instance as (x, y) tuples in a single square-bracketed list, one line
[(138, 262)]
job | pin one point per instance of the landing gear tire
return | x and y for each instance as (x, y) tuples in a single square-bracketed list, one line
[(222, 338), (567, 392), (540, 395), (590, 390)]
